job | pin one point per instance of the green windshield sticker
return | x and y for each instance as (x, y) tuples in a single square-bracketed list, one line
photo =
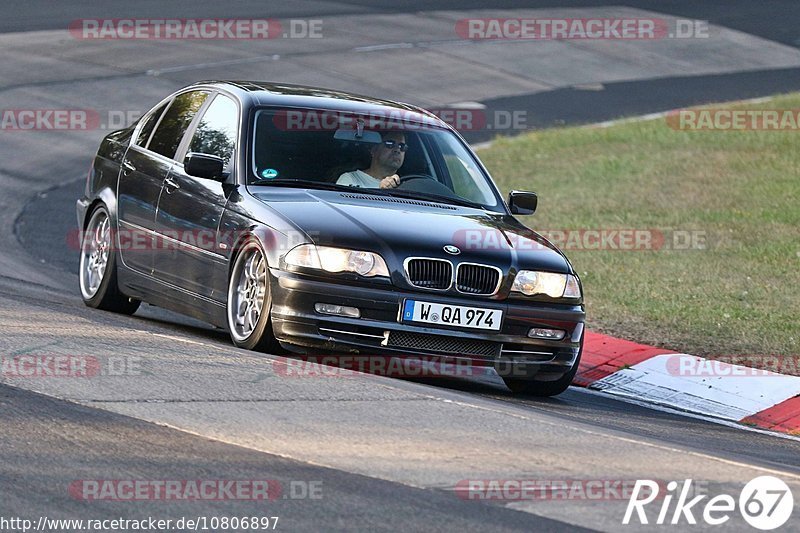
[(269, 173)]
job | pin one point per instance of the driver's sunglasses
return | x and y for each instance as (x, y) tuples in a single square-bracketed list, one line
[(389, 143)]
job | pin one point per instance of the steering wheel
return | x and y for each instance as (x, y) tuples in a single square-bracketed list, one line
[(409, 177)]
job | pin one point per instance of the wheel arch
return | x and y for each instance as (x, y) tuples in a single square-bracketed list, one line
[(266, 237), (107, 199)]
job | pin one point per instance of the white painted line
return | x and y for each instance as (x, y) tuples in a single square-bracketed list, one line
[(466, 105), (174, 338), (183, 68), (378, 47), (581, 427)]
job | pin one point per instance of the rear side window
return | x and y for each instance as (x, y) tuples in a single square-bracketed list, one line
[(176, 120), (149, 124)]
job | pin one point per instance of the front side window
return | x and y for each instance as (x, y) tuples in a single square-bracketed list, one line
[(467, 178), (175, 122), (216, 132)]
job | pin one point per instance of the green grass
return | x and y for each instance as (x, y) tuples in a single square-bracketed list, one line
[(740, 295)]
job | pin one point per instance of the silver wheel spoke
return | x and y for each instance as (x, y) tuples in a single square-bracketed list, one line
[(248, 319)]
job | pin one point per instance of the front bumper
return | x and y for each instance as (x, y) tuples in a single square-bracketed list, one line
[(379, 331)]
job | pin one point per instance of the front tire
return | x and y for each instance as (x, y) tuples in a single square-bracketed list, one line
[(98, 268), (250, 300)]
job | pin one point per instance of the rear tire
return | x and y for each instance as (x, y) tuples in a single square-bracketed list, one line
[(250, 300), (98, 267)]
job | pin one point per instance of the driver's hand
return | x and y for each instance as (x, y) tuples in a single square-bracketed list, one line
[(390, 182)]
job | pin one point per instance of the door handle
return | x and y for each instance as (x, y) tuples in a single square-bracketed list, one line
[(172, 185), (127, 168)]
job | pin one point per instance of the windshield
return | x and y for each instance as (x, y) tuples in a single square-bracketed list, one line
[(398, 158)]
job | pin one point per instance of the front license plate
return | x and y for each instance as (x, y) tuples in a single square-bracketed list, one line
[(452, 315)]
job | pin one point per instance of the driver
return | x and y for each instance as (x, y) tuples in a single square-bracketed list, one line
[(387, 157)]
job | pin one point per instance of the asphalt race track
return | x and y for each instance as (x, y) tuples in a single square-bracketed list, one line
[(354, 453)]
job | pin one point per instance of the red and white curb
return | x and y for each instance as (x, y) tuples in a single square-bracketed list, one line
[(689, 383)]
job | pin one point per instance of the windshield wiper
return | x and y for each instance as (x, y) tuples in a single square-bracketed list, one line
[(416, 195)]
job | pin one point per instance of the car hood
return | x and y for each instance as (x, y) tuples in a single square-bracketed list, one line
[(398, 228)]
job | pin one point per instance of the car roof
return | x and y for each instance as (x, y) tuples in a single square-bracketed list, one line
[(264, 93)]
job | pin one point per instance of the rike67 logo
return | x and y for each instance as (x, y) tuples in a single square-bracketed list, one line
[(765, 503)]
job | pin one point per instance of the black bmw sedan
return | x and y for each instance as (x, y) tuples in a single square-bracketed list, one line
[(315, 221)]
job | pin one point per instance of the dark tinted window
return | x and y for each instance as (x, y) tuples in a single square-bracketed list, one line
[(147, 129), (176, 120), (216, 132)]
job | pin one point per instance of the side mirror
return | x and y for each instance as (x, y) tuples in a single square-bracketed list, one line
[(522, 202), (204, 166)]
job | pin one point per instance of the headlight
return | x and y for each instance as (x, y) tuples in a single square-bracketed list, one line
[(531, 282), (330, 259)]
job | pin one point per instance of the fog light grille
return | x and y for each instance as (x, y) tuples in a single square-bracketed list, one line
[(443, 344)]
